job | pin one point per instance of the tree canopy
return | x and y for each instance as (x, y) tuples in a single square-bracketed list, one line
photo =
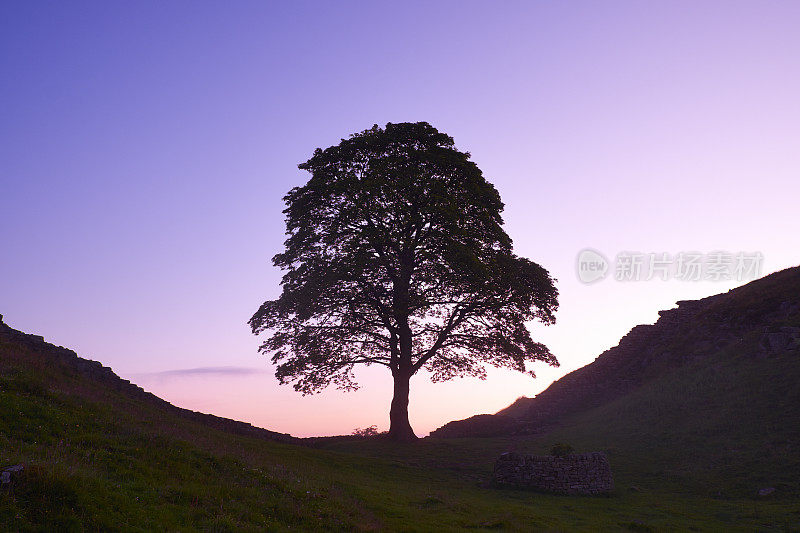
[(396, 256)]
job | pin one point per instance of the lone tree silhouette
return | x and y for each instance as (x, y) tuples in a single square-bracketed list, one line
[(396, 256)]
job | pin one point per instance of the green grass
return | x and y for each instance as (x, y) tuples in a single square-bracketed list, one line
[(688, 453), (689, 449)]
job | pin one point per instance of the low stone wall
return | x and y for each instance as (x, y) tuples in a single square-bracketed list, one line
[(587, 473)]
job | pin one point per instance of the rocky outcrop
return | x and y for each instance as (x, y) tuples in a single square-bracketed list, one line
[(6, 476), (777, 339), (585, 474)]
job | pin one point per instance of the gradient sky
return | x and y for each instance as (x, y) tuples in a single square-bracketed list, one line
[(145, 148)]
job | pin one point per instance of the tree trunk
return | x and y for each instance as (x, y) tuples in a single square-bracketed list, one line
[(400, 428)]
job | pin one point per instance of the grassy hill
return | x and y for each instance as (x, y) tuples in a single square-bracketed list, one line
[(689, 444), (711, 389), (758, 321)]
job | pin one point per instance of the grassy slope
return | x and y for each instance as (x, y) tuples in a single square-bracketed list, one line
[(688, 451), (98, 459), (713, 431), (125, 467)]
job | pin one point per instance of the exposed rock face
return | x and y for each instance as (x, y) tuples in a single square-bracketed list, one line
[(8, 472), (775, 340), (587, 473)]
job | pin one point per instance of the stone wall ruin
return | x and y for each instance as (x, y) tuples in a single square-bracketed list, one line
[(587, 473)]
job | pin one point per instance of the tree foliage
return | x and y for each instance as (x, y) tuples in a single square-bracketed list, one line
[(396, 256)]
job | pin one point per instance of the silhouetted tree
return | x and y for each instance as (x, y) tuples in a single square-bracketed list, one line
[(396, 256)]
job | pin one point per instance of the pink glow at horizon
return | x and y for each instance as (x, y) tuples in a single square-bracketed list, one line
[(145, 149)]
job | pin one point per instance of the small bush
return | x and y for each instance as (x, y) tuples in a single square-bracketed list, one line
[(371, 431)]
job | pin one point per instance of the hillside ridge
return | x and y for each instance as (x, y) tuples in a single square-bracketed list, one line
[(693, 330), (20, 344)]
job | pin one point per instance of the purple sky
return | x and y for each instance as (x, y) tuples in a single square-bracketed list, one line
[(145, 148)]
